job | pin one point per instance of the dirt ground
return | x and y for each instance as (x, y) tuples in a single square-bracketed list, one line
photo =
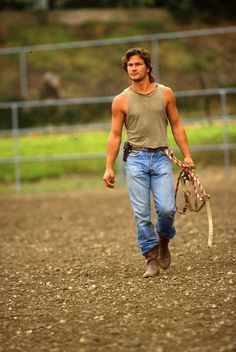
[(71, 276)]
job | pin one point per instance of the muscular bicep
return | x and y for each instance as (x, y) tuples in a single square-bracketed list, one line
[(118, 118), (171, 109)]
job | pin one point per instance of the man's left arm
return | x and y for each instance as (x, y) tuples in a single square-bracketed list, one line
[(177, 127)]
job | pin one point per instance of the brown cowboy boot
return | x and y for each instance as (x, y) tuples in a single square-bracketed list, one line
[(164, 253), (152, 263)]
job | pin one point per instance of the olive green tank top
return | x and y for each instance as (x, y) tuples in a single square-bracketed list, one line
[(146, 121)]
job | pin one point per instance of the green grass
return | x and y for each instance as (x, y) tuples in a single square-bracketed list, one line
[(90, 142), (81, 142), (208, 134), (95, 141)]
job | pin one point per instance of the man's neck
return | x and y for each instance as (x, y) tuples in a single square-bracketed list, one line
[(143, 87)]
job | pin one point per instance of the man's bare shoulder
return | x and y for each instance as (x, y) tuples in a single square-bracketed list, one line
[(120, 97), (120, 102), (168, 90), (168, 93)]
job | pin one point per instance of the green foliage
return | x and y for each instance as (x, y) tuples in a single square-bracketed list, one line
[(16, 4), (27, 34), (182, 9), (209, 10), (214, 10), (105, 3)]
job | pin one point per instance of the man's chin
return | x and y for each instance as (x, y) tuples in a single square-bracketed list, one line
[(138, 79)]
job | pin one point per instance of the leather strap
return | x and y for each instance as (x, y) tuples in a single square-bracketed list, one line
[(149, 150)]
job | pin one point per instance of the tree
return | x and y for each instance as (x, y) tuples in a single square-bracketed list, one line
[(16, 4), (207, 10), (182, 9)]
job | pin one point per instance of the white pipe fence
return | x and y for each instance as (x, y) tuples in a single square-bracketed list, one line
[(154, 39), (16, 132)]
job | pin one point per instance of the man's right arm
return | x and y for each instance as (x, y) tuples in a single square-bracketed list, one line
[(114, 140)]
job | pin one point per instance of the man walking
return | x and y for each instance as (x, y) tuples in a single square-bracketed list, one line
[(145, 108)]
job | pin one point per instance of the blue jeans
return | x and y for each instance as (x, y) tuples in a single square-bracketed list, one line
[(151, 173)]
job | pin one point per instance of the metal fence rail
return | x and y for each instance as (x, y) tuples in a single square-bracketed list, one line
[(16, 132), (154, 39)]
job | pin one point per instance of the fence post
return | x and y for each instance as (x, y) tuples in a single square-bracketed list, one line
[(155, 58), (15, 133), (23, 75), (225, 131)]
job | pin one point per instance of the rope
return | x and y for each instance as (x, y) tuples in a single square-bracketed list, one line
[(187, 176)]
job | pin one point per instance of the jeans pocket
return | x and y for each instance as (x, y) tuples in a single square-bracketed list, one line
[(135, 153)]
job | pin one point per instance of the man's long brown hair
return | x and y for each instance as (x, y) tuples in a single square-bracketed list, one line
[(144, 54)]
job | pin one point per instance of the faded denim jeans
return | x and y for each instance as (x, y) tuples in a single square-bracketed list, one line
[(151, 173)]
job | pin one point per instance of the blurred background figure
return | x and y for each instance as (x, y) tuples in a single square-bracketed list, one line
[(51, 87)]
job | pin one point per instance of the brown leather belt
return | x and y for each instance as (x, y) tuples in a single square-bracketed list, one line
[(150, 150)]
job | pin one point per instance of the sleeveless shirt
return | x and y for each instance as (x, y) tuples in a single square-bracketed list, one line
[(146, 121)]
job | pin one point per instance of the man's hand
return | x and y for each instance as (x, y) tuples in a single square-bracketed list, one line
[(109, 178), (188, 162)]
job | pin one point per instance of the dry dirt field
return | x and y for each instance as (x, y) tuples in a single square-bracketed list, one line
[(71, 276)]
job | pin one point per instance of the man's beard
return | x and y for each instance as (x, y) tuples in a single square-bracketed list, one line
[(138, 79)]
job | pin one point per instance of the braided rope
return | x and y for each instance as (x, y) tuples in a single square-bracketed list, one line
[(187, 174)]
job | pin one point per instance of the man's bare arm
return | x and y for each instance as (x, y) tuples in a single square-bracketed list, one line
[(177, 127), (114, 140)]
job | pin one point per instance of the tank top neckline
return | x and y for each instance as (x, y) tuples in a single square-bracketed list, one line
[(146, 94)]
